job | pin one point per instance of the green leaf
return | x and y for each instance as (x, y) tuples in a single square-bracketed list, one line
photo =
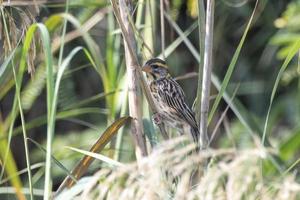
[(60, 165), (231, 67), (293, 51), (289, 147)]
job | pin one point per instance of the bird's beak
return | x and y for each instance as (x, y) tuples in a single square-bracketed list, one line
[(146, 68)]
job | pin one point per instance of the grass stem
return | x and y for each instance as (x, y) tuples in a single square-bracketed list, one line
[(207, 69)]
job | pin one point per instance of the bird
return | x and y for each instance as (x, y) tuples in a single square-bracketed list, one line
[(170, 100)]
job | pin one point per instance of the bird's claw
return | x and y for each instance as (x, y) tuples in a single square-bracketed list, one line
[(156, 118)]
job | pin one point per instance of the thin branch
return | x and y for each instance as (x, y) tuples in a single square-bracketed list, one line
[(223, 115), (207, 68), (187, 76)]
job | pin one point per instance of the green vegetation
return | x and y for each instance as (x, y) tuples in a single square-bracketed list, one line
[(68, 118)]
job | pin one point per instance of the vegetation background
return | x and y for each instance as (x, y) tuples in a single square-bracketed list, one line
[(76, 66)]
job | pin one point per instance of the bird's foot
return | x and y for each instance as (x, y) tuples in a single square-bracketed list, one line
[(156, 118)]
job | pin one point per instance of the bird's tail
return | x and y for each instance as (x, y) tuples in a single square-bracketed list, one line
[(200, 141), (196, 135)]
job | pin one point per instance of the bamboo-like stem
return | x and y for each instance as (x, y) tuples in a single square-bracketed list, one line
[(148, 32), (135, 104), (201, 29), (135, 63), (207, 68)]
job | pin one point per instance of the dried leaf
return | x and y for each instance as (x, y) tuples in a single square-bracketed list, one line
[(85, 162)]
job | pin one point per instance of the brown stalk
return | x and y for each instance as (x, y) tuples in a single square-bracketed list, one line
[(134, 68), (86, 161), (134, 99)]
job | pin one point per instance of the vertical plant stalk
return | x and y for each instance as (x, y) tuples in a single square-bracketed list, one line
[(135, 104), (149, 32), (162, 26), (207, 68), (20, 195), (51, 111), (136, 63), (62, 44), (201, 30), (119, 140)]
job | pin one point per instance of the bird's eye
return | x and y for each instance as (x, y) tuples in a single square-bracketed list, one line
[(155, 66)]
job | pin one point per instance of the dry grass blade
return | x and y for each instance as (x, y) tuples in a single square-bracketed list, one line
[(187, 76), (95, 19), (222, 116), (85, 162), (235, 176)]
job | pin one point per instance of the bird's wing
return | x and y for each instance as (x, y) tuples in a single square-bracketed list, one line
[(172, 94)]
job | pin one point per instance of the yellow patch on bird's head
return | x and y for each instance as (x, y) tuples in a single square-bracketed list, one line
[(158, 62)]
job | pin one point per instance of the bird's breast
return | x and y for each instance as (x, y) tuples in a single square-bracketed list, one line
[(169, 115)]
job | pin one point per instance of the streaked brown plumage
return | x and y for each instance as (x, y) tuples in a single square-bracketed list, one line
[(170, 99)]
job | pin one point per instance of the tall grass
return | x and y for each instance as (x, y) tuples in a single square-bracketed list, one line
[(171, 170)]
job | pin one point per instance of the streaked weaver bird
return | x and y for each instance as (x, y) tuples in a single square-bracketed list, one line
[(170, 100)]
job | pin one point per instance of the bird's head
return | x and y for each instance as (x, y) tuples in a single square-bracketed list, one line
[(156, 69)]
